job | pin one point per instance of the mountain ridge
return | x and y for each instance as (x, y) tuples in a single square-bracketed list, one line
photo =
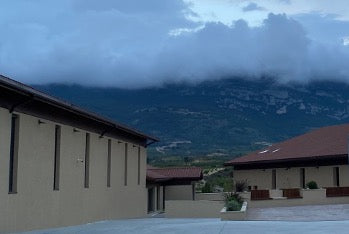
[(219, 118)]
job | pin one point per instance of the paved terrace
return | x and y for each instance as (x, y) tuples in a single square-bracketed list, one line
[(301, 213), (202, 226), (297, 219), (300, 219)]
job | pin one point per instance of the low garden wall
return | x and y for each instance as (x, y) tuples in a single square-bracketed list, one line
[(209, 196), (275, 193), (307, 197), (219, 196), (193, 209), (234, 215), (209, 205)]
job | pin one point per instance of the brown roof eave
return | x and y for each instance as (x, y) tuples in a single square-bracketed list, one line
[(158, 180), (188, 178), (42, 97), (288, 160)]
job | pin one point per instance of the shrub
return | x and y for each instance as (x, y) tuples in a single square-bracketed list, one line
[(233, 205), (233, 197), (228, 185), (240, 185), (207, 188), (312, 185)]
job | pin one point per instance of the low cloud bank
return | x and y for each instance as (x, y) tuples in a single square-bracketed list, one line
[(129, 44)]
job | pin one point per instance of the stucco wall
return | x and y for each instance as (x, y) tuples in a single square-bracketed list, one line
[(37, 205), (193, 209), (344, 175), (179, 192), (209, 196), (323, 176), (261, 178), (290, 177)]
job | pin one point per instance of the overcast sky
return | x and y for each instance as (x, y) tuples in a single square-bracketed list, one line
[(138, 43)]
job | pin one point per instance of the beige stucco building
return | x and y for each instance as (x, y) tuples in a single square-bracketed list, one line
[(320, 155), (167, 184), (324, 176), (60, 165)]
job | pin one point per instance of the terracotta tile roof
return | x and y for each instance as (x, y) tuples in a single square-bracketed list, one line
[(324, 142), (175, 173), (151, 167), (155, 176)]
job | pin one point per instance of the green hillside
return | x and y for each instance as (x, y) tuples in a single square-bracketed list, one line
[(211, 122)]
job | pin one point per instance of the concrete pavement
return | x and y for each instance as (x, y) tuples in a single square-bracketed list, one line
[(301, 213), (297, 219), (202, 226)]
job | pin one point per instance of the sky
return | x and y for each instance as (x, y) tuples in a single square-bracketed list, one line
[(137, 44)]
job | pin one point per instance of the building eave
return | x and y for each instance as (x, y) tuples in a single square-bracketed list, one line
[(35, 95), (326, 160)]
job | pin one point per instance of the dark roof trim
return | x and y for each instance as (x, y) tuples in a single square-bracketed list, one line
[(169, 175), (177, 178), (294, 162), (173, 181), (42, 97), (154, 180)]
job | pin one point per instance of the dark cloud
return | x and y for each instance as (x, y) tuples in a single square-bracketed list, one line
[(252, 6), (326, 29), (131, 44)]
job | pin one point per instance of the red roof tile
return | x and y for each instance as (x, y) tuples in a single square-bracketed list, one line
[(189, 173), (155, 176), (326, 141)]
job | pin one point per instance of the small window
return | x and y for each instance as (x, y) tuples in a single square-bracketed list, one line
[(87, 161), (109, 163), (139, 166), (57, 157), (125, 166), (302, 178), (336, 176), (14, 154)]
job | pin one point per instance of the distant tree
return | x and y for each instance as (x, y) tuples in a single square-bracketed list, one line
[(207, 188), (228, 185), (187, 160)]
